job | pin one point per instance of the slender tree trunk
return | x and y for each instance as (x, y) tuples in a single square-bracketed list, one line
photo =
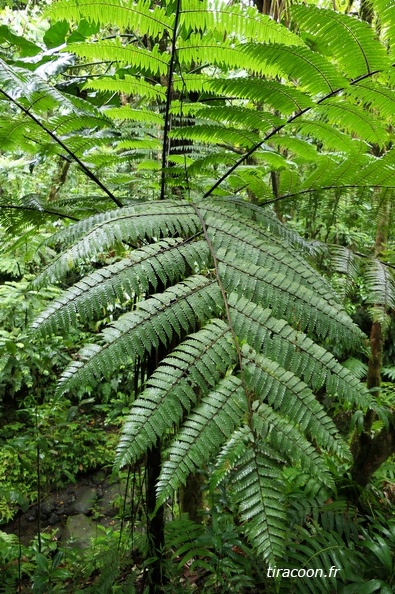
[(370, 452), (192, 497), (156, 523)]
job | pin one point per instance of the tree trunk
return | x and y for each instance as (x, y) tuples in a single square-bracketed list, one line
[(156, 523), (192, 497), (369, 453)]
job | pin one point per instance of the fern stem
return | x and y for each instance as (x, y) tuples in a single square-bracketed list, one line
[(59, 215), (281, 126), (84, 168), (226, 305), (322, 188), (165, 148)]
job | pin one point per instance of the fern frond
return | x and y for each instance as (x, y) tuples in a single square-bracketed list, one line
[(136, 115), (331, 138), (353, 120), (217, 51), (140, 16), (165, 261), (295, 352), (242, 116), (259, 490), (385, 12), (243, 22), (218, 134), (380, 284), (242, 235), (286, 439), (290, 300), (287, 393), (202, 434), (312, 71), (270, 223), (284, 99), (344, 261), (229, 455), (130, 85), (374, 97), (151, 61), (350, 42), (193, 368), (177, 310), (96, 234)]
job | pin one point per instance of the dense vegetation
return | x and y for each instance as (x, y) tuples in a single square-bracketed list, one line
[(197, 291)]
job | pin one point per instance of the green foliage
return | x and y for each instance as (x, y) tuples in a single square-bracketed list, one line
[(206, 387), (230, 340)]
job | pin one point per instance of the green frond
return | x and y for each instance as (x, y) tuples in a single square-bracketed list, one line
[(166, 261), (259, 492), (380, 284), (269, 222), (140, 144), (241, 116), (136, 115), (130, 85), (177, 310), (243, 22), (312, 71), (294, 302), (282, 98), (134, 224), (152, 61), (286, 439), (34, 93), (301, 151), (241, 235), (374, 97), (295, 352), (140, 16), (217, 134), (352, 43), (289, 395), (191, 83), (378, 171), (385, 12), (353, 120), (193, 368), (344, 261), (318, 550), (229, 455), (323, 132), (211, 160), (216, 50), (202, 434)]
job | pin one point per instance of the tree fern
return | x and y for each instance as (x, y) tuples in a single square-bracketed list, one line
[(222, 299), (214, 279)]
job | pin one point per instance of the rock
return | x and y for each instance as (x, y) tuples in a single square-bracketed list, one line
[(54, 518), (79, 531), (98, 477), (112, 500), (85, 499), (47, 506)]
